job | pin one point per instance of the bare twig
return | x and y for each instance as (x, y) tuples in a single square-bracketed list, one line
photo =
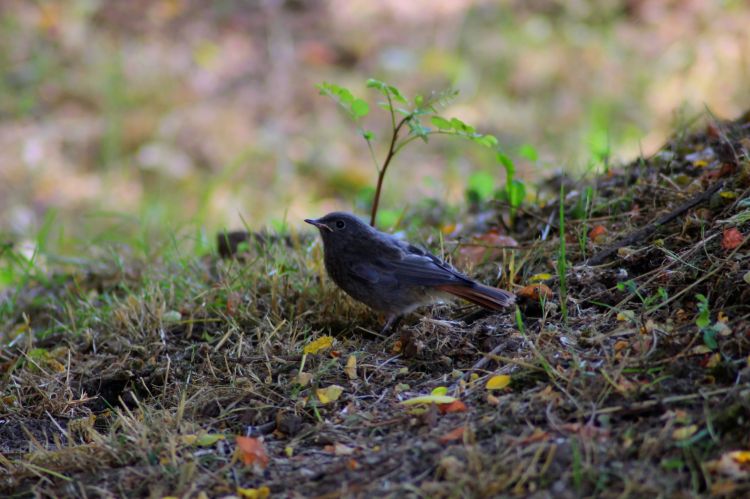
[(653, 226)]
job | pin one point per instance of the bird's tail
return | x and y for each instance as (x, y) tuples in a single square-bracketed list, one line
[(484, 296)]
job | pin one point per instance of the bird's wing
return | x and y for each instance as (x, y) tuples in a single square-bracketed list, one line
[(373, 273), (421, 268)]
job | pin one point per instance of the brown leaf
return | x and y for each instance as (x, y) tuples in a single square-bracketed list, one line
[(455, 434), (731, 238), (598, 234), (455, 406), (482, 248), (536, 291), (252, 451)]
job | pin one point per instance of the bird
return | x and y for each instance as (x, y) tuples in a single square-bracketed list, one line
[(393, 276)]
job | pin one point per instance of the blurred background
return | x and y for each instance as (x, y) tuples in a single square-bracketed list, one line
[(121, 120)]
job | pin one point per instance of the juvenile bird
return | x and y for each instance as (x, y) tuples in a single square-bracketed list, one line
[(391, 275)]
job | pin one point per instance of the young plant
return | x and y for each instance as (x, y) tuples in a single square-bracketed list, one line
[(515, 190), (419, 116)]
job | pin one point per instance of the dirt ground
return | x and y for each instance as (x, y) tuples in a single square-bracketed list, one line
[(628, 368)]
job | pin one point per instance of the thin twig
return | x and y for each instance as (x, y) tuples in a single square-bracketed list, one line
[(653, 226), (648, 404)]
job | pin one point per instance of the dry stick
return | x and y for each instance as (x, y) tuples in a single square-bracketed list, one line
[(653, 226), (648, 404)]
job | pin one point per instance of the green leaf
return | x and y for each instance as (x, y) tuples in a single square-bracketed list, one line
[(709, 338), (441, 123), (529, 152), (377, 84), (356, 108), (504, 159), (341, 94), (704, 312), (396, 94), (460, 126), (516, 193), (485, 140), (481, 183), (360, 108), (368, 135)]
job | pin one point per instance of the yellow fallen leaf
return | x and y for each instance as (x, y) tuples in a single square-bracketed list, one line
[(351, 367), (289, 451), (626, 315), (208, 439), (440, 390), (304, 378), (498, 382), (259, 493), (540, 277), (429, 399), (322, 343), (740, 456), (685, 432), (713, 361), (329, 394)]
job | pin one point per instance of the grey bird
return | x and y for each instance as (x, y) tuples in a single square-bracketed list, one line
[(390, 275)]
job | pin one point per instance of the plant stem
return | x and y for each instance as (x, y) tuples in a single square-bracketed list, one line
[(381, 173)]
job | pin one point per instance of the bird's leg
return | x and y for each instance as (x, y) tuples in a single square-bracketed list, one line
[(391, 323)]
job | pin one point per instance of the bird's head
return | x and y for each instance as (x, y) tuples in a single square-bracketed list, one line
[(340, 229)]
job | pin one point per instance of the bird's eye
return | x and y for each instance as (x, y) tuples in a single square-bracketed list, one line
[(340, 224)]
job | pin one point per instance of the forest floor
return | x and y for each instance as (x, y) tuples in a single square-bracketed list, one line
[(623, 371)]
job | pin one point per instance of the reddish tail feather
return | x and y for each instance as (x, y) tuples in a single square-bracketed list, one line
[(484, 296)]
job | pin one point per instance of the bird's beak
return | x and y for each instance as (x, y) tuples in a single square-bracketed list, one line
[(318, 224)]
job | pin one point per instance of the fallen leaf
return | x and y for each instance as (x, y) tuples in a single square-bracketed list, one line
[(304, 378), (429, 399), (498, 382), (455, 406), (203, 439), (329, 394), (252, 451), (322, 343), (538, 435), (626, 315), (734, 463), (685, 432), (351, 367), (535, 292), (731, 238), (259, 493), (540, 277), (482, 248), (621, 345), (455, 434), (598, 234), (342, 450), (440, 390), (398, 346)]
